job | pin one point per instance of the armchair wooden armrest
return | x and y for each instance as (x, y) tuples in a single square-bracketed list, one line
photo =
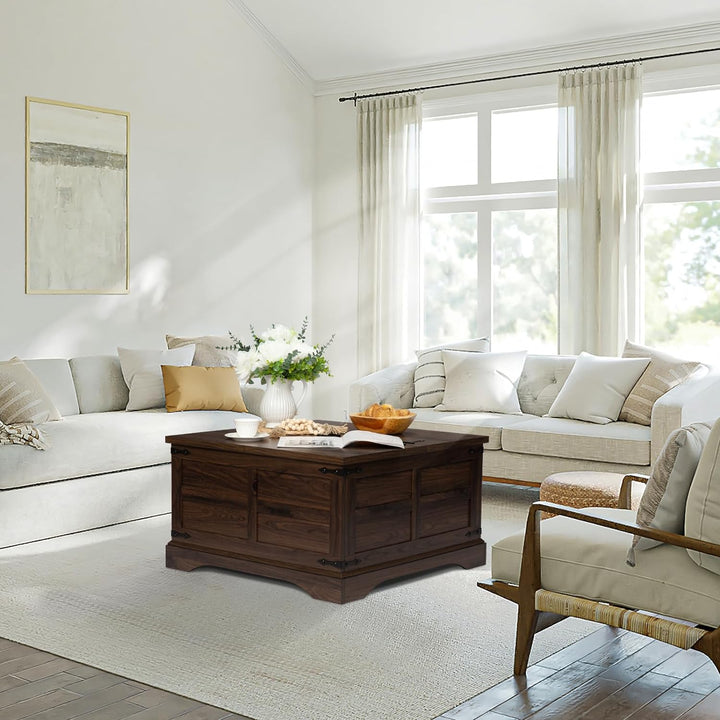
[(625, 497), (533, 525)]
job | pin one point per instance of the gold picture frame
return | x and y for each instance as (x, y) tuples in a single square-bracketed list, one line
[(76, 199)]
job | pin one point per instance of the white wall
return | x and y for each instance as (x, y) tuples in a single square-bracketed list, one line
[(335, 250), (220, 170)]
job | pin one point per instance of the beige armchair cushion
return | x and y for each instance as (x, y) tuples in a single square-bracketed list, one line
[(589, 561)]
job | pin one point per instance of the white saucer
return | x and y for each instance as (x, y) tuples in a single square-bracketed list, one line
[(235, 436)]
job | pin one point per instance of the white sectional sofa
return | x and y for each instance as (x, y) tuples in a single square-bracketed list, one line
[(529, 447), (103, 465)]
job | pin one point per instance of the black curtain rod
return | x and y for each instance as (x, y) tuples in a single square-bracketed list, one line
[(355, 97)]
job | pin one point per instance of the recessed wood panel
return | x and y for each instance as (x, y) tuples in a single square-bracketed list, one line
[(290, 532), (212, 517), (222, 483), (446, 477), (294, 489), (443, 512), (383, 489), (380, 525)]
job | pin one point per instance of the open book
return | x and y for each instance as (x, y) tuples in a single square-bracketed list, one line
[(353, 436)]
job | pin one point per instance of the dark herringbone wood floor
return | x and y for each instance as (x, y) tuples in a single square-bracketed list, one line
[(609, 675)]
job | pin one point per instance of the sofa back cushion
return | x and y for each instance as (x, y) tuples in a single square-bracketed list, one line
[(99, 383), (542, 379), (55, 377)]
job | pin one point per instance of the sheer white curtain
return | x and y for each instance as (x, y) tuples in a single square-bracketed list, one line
[(388, 315), (598, 208)]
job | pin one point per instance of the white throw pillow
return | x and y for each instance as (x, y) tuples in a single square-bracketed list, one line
[(482, 382), (143, 375), (597, 387), (430, 371)]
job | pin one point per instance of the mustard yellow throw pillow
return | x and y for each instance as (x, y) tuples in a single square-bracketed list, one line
[(202, 388)]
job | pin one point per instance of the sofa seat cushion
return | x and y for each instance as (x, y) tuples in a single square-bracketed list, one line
[(96, 443), (618, 442), (589, 561), (473, 423)]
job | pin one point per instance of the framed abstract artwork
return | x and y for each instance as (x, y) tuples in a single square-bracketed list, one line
[(76, 199)]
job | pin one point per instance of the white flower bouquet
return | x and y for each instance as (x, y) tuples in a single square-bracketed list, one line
[(280, 353)]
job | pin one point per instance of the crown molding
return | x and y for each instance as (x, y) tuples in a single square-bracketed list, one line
[(287, 59), (688, 37)]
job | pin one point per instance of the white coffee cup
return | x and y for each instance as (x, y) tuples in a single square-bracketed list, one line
[(247, 425)]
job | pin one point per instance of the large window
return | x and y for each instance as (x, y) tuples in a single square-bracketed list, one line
[(489, 241), (489, 238), (681, 221)]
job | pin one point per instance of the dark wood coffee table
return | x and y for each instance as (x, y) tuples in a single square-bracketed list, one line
[(335, 522)]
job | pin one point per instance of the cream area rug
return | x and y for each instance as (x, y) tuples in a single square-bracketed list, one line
[(410, 650)]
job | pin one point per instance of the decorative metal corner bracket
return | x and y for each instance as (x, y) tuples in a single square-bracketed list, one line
[(177, 533), (343, 472), (339, 564)]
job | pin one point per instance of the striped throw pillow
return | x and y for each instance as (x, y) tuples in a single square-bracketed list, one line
[(430, 370), (22, 398), (662, 374)]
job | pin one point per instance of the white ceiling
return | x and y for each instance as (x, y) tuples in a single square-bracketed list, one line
[(333, 39)]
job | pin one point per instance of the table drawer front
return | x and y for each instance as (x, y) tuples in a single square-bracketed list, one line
[(226, 519), (383, 489)]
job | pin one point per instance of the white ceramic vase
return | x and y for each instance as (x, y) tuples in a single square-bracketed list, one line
[(278, 402)]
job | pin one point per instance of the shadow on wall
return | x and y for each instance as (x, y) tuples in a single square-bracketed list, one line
[(249, 265)]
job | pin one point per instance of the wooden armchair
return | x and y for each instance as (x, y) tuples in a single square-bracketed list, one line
[(540, 607)]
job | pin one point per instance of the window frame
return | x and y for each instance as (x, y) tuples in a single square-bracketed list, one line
[(486, 197)]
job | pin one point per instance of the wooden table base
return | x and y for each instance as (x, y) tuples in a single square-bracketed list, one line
[(337, 587)]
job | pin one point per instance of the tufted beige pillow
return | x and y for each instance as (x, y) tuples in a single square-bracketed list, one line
[(662, 374), (207, 350)]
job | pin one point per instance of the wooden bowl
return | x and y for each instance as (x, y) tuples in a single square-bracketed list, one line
[(393, 425)]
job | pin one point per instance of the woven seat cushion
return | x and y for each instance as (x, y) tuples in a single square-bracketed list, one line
[(589, 561), (586, 489)]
